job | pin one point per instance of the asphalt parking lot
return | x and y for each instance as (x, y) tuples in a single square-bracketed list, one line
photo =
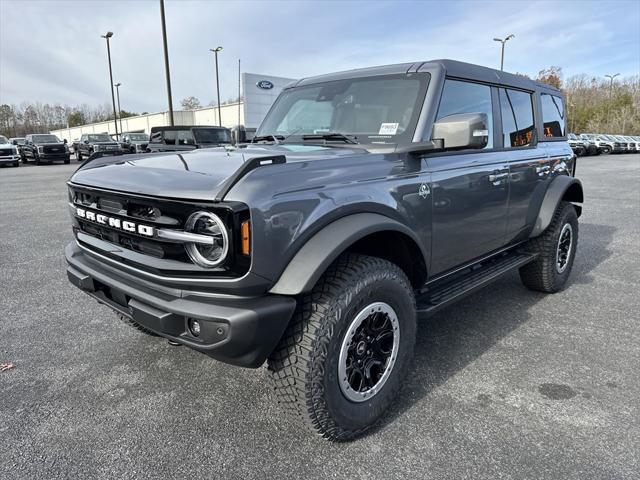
[(507, 384)]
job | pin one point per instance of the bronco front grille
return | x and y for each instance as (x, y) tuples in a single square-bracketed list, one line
[(151, 212)]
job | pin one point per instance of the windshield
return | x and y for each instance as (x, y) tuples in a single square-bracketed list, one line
[(379, 109), (139, 137), (45, 139), (99, 138), (4, 139), (212, 135)]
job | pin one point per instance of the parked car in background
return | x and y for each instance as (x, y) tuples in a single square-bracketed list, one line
[(623, 143), (633, 145), (134, 142), (576, 144), (91, 143), (601, 144), (9, 154), (44, 148), (614, 145), (589, 145), (184, 138), (18, 142)]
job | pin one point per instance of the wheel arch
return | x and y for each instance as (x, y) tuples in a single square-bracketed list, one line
[(365, 233), (562, 188)]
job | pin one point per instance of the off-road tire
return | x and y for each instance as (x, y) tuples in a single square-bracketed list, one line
[(135, 325), (304, 366), (541, 275)]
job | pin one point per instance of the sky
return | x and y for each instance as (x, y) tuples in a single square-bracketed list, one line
[(51, 51)]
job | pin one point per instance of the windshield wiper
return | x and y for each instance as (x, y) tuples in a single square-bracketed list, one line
[(262, 138), (331, 136)]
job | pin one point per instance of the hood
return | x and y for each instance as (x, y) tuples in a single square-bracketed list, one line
[(193, 175), (104, 143), (7, 145), (51, 144)]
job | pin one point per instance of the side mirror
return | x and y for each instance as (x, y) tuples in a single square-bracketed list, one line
[(462, 130), (86, 142), (15, 142), (64, 141)]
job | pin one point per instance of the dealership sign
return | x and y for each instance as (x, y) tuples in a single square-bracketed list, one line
[(264, 84)]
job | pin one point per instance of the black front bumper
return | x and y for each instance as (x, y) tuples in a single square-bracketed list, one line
[(241, 331), (52, 157)]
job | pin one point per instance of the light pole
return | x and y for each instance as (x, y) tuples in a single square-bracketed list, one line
[(610, 77), (117, 85), (166, 61), (215, 51), (503, 41), (107, 36)]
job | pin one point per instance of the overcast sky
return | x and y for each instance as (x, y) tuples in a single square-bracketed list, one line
[(51, 51)]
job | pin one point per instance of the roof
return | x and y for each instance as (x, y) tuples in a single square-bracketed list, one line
[(452, 68)]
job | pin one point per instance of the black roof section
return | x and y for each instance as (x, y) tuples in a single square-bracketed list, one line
[(451, 68), (188, 127)]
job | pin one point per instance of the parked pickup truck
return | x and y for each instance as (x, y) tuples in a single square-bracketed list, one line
[(101, 143), (44, 148), (185, 138), (134, 142), (367, 200)]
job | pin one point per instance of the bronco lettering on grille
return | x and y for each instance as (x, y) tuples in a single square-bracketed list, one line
[(125, 225)]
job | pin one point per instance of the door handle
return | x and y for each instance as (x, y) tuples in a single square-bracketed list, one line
[(496, 177)]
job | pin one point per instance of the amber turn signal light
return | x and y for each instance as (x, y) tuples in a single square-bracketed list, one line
[(245, 237)]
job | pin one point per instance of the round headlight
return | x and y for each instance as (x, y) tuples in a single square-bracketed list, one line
[(206, 223)]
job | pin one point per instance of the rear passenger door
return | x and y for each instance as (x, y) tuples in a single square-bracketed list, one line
[(529, 165), (470, 188)]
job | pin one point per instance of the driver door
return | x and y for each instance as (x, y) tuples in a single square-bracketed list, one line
[(470, 188)]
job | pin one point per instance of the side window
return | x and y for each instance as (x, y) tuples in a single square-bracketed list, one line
[(466, 97), (185, 137), (169, 137), (553, 118), (156, 136), (517, 117)]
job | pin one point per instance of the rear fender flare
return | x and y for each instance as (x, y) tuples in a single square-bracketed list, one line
[(562, 187)]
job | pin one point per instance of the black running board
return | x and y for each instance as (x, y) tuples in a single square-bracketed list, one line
[(451, 289)]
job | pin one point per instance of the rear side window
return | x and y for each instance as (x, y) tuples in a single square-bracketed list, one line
[(169, 137), (553, 117), (466, 97), (517, 117), (185, 137)]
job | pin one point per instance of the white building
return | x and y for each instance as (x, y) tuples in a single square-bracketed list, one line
[(258, 94)]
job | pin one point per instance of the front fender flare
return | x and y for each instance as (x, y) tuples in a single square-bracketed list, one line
[(315, 256), (561, 187)]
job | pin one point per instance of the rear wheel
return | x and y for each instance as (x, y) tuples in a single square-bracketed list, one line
[(342, 360), (556, 249)]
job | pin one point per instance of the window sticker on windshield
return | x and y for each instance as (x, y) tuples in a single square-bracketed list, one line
[(388, 129)]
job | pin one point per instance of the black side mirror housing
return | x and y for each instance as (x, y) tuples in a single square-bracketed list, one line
[(15, 142), (462, 131), (64, 141)]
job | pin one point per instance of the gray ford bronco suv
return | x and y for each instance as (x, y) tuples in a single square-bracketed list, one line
[(368, 199)]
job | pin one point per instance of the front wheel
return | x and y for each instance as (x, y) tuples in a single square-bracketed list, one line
[(555, 249), (342, 360)]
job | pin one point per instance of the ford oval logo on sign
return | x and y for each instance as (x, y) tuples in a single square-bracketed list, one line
[(264, 84)]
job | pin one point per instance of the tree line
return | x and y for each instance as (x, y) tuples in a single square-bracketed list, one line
[(594, 105), (597, 105), (37, 117)]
